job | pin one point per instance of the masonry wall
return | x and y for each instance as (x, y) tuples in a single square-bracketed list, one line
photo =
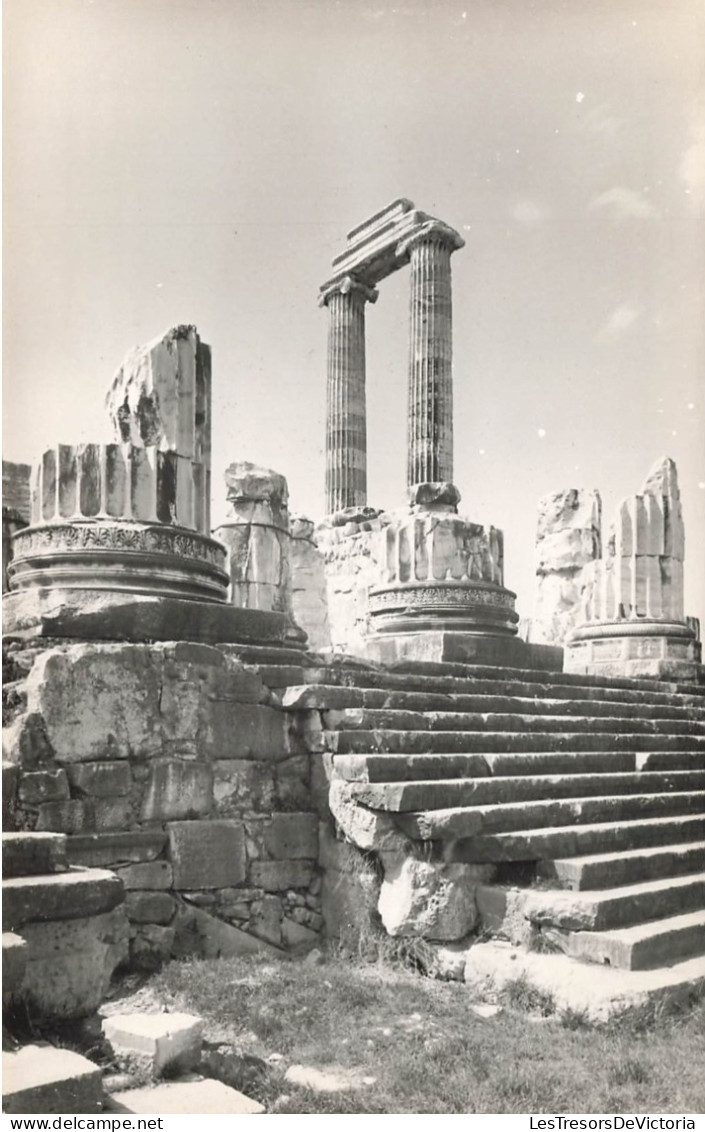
[(177, 767)]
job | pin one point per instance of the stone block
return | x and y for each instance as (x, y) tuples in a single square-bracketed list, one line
[(202, 1097), (278, 876), (150, 907), (104, 850), (70, 895), (71, 962), (63, 817), (10, 780), (207, 854), (97, 701), (43, 786), (111, 813), (292, 836), (14, 961), (177, 789), (296, 936), (266, 919), (155, 875), (151, 945), (33, 854), (242, 784), (162, 1040), (101, 779), (244, 731), (427, 900), (43, 1079), (198, 933)]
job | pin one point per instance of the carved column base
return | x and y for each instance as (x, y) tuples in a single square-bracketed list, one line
[(470, 607), (651, 648), (120, 555)]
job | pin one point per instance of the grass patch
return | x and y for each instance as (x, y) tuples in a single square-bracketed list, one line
[(426, 1050)]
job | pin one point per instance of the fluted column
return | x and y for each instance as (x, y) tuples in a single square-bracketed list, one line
[(430, 420), (346, 417)]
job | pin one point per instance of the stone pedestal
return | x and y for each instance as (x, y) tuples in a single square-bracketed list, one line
[(346, 419), (648, 647), (441, 572)]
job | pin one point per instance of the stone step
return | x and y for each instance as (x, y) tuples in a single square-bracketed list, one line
[(598, 993), (542, 700), (603, 870), (466, 678), (64, 896), (14, 961), (375, 719), (33, 854), (407, 768), (615, 907), (437, 794), (644, 946), (460, 822), (579, 840), (196, 1096), (43, 1079), (364, 741)]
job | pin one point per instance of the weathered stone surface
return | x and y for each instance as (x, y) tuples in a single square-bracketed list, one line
[(33, 854), (207, 854), (265, 919), (149, 907), (111, 813), (43, 786), (94, 615), (433, 901), (352, 557), (69, 816), (568, 538), (248, 731), (164, 1040), (201, 1097), (14, 961), (309, 595), (364, 828), (43, 1079), (10, 780), (177, 789), (292, 836), (70, 895), (101, 780), (105, 850), (277, 876), (641, 571), (242, 784), (201, 934), (71, 962), (161, 396), (297, 936), (146, 875), (151, 945)]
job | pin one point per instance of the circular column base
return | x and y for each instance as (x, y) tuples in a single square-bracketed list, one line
[(645, 647), (469, 607), (120, 555)]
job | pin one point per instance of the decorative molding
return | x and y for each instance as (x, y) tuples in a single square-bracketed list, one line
[(120, 537)]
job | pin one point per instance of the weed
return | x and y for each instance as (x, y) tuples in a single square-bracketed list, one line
[(572, 1019), (521, 995), (629, 1072)]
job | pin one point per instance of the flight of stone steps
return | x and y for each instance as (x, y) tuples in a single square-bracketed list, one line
[(586, 794)]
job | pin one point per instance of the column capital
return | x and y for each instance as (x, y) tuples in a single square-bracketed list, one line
[(432, 230), (347, 285)]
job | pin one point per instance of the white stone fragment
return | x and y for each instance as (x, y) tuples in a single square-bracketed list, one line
[(162, 1038)]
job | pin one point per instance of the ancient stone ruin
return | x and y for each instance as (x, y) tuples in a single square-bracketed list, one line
[(270, 735)]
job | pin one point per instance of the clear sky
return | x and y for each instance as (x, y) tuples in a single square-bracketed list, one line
[(200, 161)]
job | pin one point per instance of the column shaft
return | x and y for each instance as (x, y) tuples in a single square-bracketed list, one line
[(346, 420), (430, 427)]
